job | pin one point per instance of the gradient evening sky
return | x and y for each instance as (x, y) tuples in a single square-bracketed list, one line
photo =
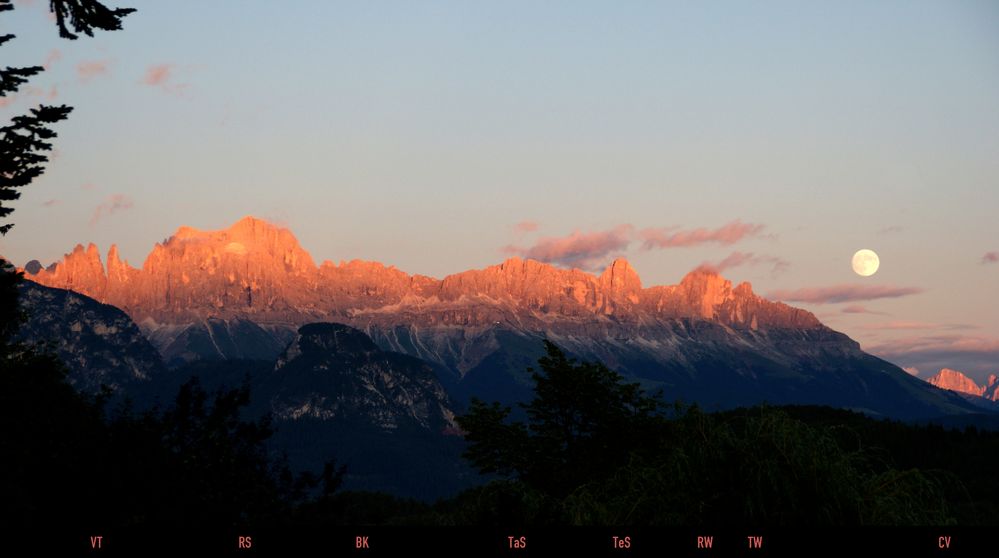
[(420, 134)]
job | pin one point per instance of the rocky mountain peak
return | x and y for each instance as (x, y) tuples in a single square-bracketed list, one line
[(955, 380), (252, 241), (256, 270), (622, 280), (81, 270), (118, 270), (991, 390), (704, 289)]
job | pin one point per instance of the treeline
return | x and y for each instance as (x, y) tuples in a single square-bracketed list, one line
[(597, 451), (73, 460)]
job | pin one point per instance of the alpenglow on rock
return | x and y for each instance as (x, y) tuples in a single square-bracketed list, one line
[(954, 380), (258, 271)]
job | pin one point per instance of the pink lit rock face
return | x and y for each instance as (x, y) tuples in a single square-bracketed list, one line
[(259, 271), (957, 381), (991, 390)]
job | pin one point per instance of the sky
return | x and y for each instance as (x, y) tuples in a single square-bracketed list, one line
[(770, 140)]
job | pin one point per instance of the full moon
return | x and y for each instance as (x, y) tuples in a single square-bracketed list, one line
[(865, 263)]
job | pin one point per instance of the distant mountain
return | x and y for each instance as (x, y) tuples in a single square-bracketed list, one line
[(953, 380), (211, 294), (956, 381), (100, 344)]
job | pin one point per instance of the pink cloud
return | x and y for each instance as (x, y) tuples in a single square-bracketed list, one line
[(40, 92), (158, 75), (51, 203), (726, 235), (163, 77), (738, 259), (857, 309), (842, 293), (583, 250), (526, 227), (54, 56), (939, 343), (89, 70), (112, 204), (990, 257), (88, 186), (911, 370), (898, 324)]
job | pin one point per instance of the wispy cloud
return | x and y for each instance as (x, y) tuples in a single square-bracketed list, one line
[(858, 309), (842, 293), (94, 68), (591, 250), (157, 75), (40, 92), (583, 250), (911, 370), (990, 258), (54, 56), (114, 203), (891, 229), (670, 237), (163, 76), (904, 324), (739, 259), (51, 203)]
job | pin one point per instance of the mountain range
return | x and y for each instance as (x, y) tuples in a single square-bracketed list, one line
[(244, 292)]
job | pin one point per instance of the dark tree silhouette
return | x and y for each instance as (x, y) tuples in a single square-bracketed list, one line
[(597, 451), (582, 421), (25, 141), (23, 144), (86, 15)]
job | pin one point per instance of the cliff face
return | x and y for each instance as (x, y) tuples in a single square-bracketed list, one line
[(954, 380), (258, 271), (991, 390), (251, 268)]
